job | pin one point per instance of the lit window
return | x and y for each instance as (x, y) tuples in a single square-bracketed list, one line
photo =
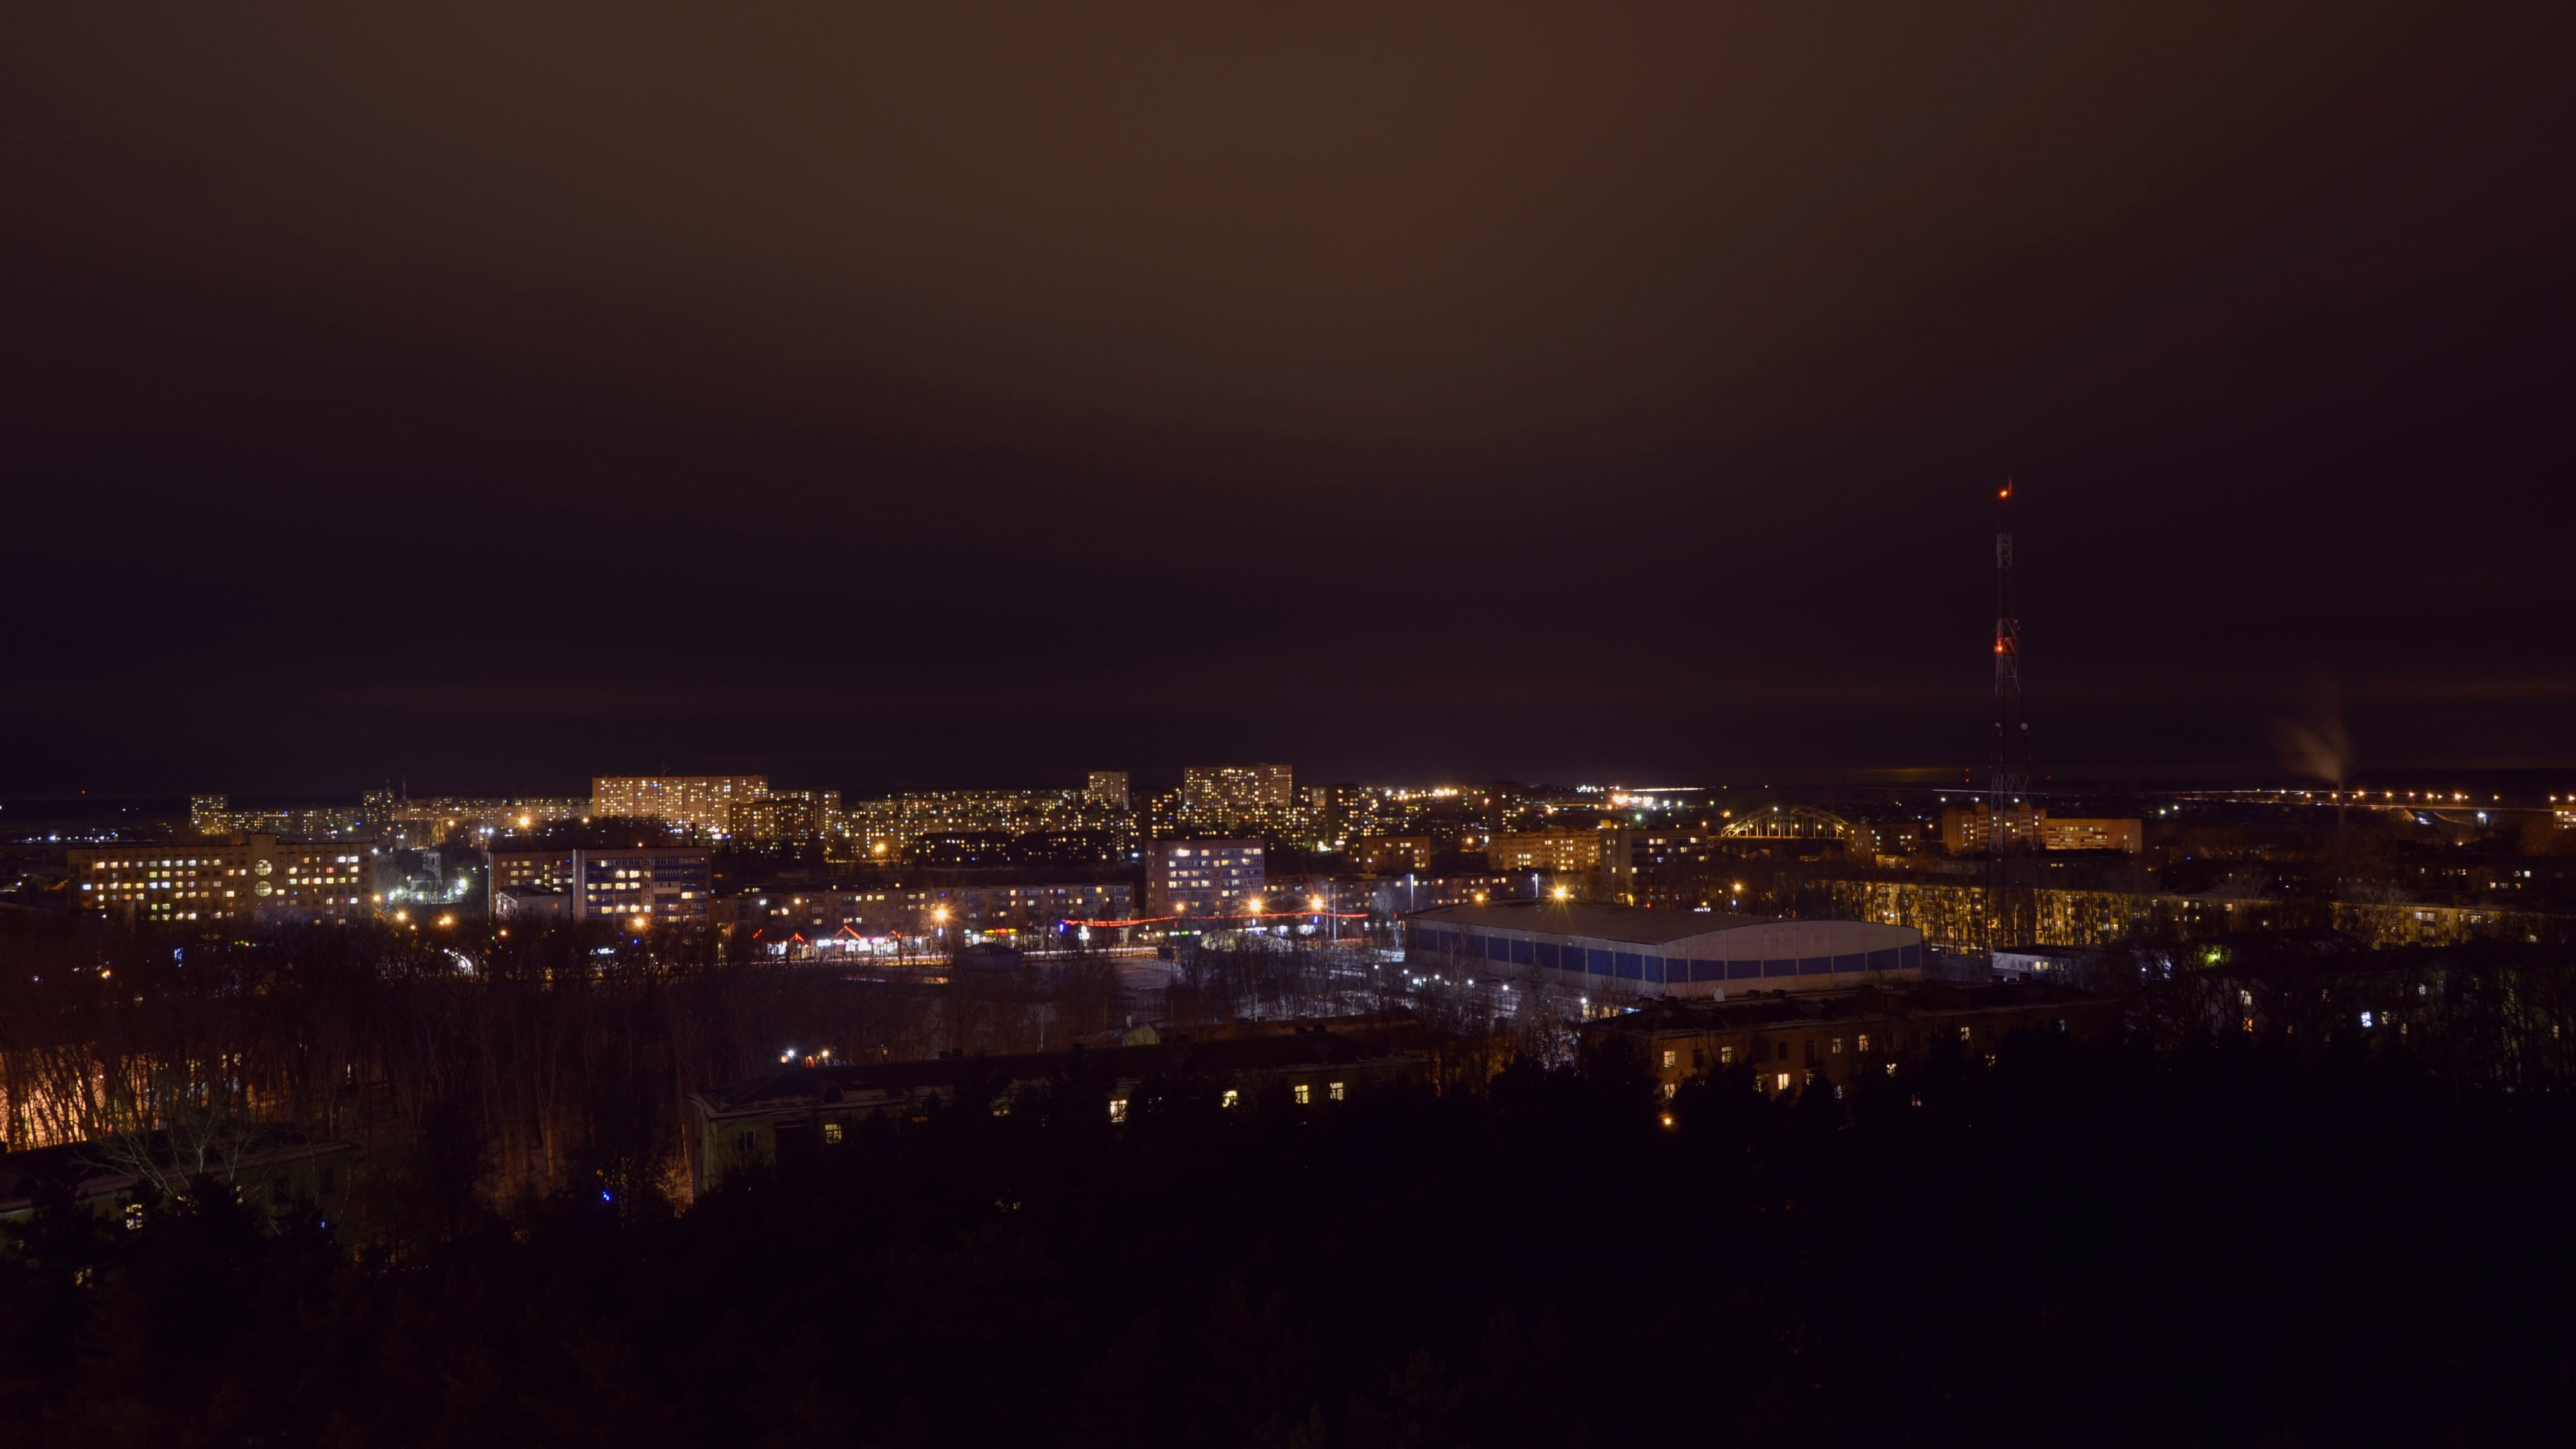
[(1838, 1046), (1784, 1081), (1118, 1109), (1669, 1058), (1231, 1098), (1334, 1091), (1305, 1094), (832, 1132), (1726, 1056)]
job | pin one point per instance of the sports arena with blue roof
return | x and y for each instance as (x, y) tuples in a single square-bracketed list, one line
[(1663, 953)]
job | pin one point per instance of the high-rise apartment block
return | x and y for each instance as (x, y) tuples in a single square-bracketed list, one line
[(1214, 788), (1238, 800), (1202, 880), (688, 802), (1108, 787)]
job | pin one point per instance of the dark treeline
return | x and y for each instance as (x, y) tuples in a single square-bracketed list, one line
[(539, 1061), (2242, 1244)]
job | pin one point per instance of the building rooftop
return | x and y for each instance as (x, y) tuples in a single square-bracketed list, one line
[(1638, 925), (807, 1086), (1761, 1009)]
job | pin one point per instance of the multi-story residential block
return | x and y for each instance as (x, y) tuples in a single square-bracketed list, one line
[(1560, 852), (1109, 787), (1259, 787), (1966, 832), (655, 885), (1643, 865), (532, 869), (437, 819), (1391, 854), (689, 802), (213, 817), (788, 817), (246, 878), (1241, 798), (1203, 880), (918, 912), (887, 829)]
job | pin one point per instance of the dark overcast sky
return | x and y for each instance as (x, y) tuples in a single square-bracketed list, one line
[(904, 394)]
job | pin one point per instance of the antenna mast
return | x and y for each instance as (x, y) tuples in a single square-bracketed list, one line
[(2011, 825)]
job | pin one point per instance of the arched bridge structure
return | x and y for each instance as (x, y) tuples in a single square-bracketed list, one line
[(1794, 822)]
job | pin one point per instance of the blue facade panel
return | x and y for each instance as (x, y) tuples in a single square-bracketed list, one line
[(1522, 955), (1708, 971), (1816, 966), (1597, 962), (1498, 948), (1655, 969), (1849, 965), (1883, 960), (1743, 970), (1632, 967), (1779, 968), (1910, 957)]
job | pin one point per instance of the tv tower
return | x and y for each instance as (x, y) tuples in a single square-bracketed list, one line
[(2011, 825)]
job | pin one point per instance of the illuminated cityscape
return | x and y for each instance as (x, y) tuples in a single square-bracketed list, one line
[(1316, 727)]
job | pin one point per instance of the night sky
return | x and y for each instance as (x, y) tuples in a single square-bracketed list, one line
[(901, 395)]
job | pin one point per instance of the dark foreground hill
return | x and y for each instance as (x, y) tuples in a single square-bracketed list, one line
[(2096, 1245)]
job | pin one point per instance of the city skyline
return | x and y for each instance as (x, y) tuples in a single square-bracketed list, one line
[(1565, 399), (1038, 722)]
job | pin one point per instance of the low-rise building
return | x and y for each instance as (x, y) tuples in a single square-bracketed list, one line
[(267, 1167), (809, 1105), (2064, 965), (1663, 952), (1836, 1038), (530, 905)]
